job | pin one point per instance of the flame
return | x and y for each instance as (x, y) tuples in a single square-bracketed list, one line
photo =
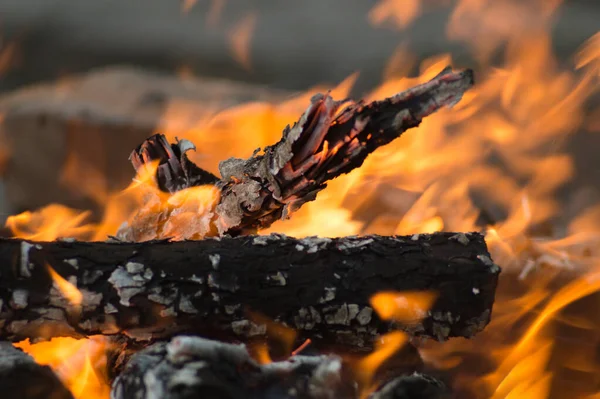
[(67, 289), (589, 55), (365, 368), (403, 306), (493, 163), (187, 5), (400, 13), (260, 353), (239, 39), (214, 13), (49, 223), (8, 53), (79, 363)]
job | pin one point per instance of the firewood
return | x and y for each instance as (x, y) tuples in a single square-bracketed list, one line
[(320, 287), (330, 139), (91, 121), (193, 367), (22, 378)]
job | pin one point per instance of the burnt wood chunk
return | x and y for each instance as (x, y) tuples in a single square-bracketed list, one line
[(320, 287), (193, 367), (85, 126), (330, 139), (22, 378)]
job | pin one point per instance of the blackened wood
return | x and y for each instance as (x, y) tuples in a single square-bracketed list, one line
[(320, 287), (331, 138), (413, 386), (194, 367), (22, 378)]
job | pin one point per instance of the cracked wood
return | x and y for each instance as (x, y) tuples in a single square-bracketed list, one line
[(318, 286), (330, 139)]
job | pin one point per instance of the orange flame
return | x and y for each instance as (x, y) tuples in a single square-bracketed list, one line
[(403, 306), (365, 369), (494, 162), (239, 39), (399, 13), (49, 223), (187, 5), (67, 289), (79, 363)]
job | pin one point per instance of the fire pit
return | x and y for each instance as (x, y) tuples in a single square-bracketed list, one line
[(399, 246)]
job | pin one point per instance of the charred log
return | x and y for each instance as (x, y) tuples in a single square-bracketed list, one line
[(330, 139), (319, 287), (193, 367), (22, 378)]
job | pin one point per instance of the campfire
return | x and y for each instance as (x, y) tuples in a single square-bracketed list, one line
[(406, 245)]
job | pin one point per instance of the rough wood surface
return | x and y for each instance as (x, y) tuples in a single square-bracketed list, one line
[(92, 121), (320, 287), (331, 138), (22, 378), (193, 367)]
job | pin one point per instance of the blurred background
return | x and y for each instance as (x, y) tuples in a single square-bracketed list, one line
[(265, 50), (82, 83)]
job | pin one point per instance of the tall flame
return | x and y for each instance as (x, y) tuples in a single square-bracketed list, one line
[(495, 163)]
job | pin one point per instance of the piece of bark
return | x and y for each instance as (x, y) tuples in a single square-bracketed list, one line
[(320, 287), (90, 122), (22, 378), (193, 367), (331, 138)]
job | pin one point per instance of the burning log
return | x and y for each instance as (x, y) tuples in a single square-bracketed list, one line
[(320, 287), (85, 126), (193, 367), (330, 139), (22, 378)]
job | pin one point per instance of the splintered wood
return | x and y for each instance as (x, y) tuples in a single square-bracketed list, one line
[(331, 138)]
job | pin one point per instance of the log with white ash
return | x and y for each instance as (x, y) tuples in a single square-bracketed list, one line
[(187, 304)]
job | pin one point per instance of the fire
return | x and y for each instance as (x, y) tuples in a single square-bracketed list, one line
[(494, 163), (403, 306), (187, 5), (67, 289), (49, 223), (402, 13), (79, 363), (239, 39), (366, 368)]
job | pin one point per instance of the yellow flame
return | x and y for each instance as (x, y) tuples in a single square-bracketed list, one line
[(79, 363), (366, 368), (68, 290), (493, 162), (49, 223), (403, 306)]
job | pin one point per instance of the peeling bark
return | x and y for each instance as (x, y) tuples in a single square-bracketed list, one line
[(330, 139), (193, 367), (22, 378), (319, 287)]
